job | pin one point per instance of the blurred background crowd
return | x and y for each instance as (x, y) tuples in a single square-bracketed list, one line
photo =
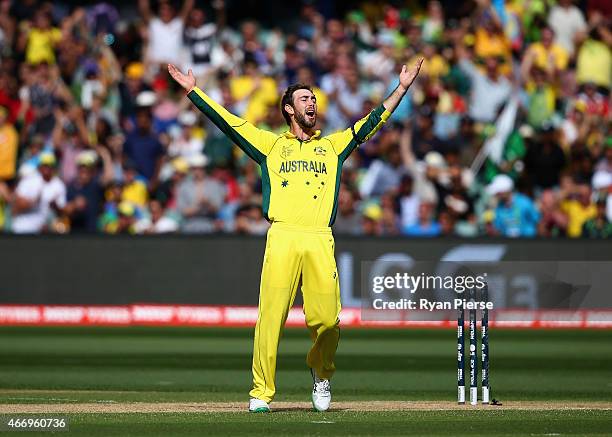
[(506, 131)]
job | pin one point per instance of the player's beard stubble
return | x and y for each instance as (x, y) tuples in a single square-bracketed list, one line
[(303, 122)]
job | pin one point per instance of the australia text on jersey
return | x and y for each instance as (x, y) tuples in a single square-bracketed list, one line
[(300, 165)]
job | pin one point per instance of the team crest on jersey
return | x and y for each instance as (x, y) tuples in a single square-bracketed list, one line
[(286, 151), (320, 151)]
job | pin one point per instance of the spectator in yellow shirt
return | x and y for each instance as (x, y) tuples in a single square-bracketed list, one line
[(41, 40), (254, 91), (134, 189), (547, 54), (436, 65), (594, 59), (579, 208), (8, 147)]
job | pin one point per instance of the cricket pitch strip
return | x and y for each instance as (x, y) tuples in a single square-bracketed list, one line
[(241, 407)]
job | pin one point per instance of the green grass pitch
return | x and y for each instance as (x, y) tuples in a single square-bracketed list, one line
[(113, 366)]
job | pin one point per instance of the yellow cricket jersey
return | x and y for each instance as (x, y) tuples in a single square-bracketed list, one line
[(300, 179)]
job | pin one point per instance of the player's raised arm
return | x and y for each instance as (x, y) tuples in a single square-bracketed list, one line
[(256, 143), (406, 77), (346, 141)]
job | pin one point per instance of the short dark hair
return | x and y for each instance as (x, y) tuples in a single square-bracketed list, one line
[(288, 98)]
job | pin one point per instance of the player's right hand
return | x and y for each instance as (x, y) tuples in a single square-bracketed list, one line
[(188, 81)]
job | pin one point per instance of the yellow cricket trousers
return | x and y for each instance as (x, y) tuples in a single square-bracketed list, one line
[(294, 252)]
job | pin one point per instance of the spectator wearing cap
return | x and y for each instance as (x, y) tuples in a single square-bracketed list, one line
[(9, 142), (112, 198), (515, 214), (200, 198), (185, 141), (124, 221), (143, 148), (599, 226), (426, 225), (371, 220), (579, 208), (85, 195), (167, 191), (38, 197), (129, 89)]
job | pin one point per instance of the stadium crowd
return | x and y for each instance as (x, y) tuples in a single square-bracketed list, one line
[(505, 132)]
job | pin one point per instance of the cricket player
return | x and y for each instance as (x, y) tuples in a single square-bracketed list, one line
[(300, 171)]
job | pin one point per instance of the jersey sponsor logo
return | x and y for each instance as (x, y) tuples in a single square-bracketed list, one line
[(309, 166)]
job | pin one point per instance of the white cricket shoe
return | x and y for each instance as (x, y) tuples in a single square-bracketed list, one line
[(258, 406), (321, 392)]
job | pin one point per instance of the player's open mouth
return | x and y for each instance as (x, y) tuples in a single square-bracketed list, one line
[(310, 112)]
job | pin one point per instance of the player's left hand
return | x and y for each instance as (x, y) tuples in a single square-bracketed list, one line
[(408, 75)]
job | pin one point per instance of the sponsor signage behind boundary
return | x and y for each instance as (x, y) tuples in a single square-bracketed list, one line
[(241, 316)]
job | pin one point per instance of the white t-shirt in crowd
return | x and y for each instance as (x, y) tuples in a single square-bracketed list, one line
[(487, 96), (162, 226), (409, 209), (566, 22), (34, 188), (166, 41)]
